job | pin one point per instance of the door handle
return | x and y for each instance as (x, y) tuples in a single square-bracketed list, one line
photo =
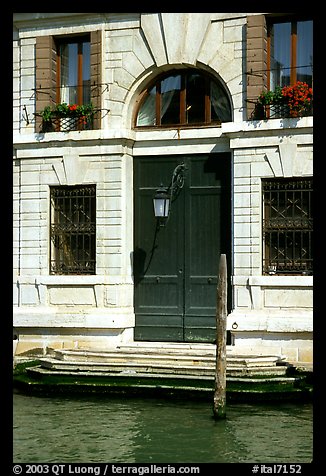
[(158, 279)]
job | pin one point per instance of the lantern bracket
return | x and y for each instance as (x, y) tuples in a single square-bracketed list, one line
[(165, 196)]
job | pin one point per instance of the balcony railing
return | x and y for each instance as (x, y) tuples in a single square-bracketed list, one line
[(67, 124), (288, 101), (65, 117), (279, 111)]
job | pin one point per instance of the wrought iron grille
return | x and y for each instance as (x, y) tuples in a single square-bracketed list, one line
[(69, 123), (73, 229), (287, 226), (66, 124), (279, 111)]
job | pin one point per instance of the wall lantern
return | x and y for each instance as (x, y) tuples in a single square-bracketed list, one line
[(164, 196), (161, 202)]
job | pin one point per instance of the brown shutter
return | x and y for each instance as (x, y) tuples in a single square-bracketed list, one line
[(96, 86), (256, 59), (46, 60)]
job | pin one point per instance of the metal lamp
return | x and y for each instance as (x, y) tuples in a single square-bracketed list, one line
[(161, 202), (164, 196)]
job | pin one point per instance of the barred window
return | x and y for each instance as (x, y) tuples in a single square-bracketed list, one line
[(287, 226), (73, 215)]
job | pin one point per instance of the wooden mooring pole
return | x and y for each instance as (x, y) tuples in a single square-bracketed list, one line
[(219, 408)]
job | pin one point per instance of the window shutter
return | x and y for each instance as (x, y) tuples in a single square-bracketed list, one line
[(256, 59), (46, 60), (96, 86)]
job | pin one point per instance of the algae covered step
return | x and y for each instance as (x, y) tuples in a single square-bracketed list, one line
[(177, 369), (127, 383), (190, 367)]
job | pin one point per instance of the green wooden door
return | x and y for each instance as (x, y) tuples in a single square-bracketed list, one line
[(175, 267)]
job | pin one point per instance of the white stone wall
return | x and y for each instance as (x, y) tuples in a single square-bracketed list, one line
[(271, 313), (176, 40), (46, 303), (134, 49), (77, 311)]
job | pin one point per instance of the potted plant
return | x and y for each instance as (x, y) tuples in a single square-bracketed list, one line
[(299, 99), (66, 117), (289, 101)]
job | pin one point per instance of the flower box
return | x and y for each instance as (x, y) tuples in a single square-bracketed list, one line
[(67, 117), (289, 101)]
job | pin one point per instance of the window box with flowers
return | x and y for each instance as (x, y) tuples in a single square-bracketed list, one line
[(289, 101), (67, 117)]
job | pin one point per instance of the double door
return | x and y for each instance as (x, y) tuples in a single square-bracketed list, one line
[(175, 267)]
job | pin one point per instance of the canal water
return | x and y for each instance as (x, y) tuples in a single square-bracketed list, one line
[(93, 429)]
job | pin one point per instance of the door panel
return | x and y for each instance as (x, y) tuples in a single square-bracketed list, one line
[(159, 304), (203, 223), (175, 267)]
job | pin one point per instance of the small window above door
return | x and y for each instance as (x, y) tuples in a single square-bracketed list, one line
[(184, 98)]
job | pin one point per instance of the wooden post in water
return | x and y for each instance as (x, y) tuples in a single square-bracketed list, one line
[(219, 408)]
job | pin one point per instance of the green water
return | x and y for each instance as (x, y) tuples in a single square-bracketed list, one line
[(109, 430)]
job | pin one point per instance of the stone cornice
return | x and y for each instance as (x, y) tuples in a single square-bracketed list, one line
[(246, 134)]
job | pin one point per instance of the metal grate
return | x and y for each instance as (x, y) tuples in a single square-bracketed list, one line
[(287, 226), (66, 124), (73, 229), (279, 111)]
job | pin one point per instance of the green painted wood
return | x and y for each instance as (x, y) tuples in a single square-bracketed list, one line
[(175, 267)]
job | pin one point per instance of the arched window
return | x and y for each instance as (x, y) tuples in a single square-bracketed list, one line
[(184, 98)]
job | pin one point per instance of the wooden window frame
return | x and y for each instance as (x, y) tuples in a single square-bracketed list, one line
[(47, 85), (182, 113), (79, 39), (271, 21)]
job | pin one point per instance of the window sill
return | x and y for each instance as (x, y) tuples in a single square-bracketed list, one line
[(291, 281), (71, 280)]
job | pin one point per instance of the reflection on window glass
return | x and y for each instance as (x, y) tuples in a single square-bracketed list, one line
[(68, 70), (195, 99), (147, 112), (220, 105), (304, 51), (280, 55), (75, 57), (86, 80), (170, 100), (189, 97), (291, 53)]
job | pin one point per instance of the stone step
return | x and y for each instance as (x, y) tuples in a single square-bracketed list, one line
[(148, 364), (163, 366), (128, 382), (42, 371), (183, 349), (107, 356), (151, 355), (156, 369)]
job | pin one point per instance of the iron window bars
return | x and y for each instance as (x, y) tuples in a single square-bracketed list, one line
[(73, 229), (287, 226)]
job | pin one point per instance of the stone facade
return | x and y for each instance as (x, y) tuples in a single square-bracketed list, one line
[(270, 313)]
